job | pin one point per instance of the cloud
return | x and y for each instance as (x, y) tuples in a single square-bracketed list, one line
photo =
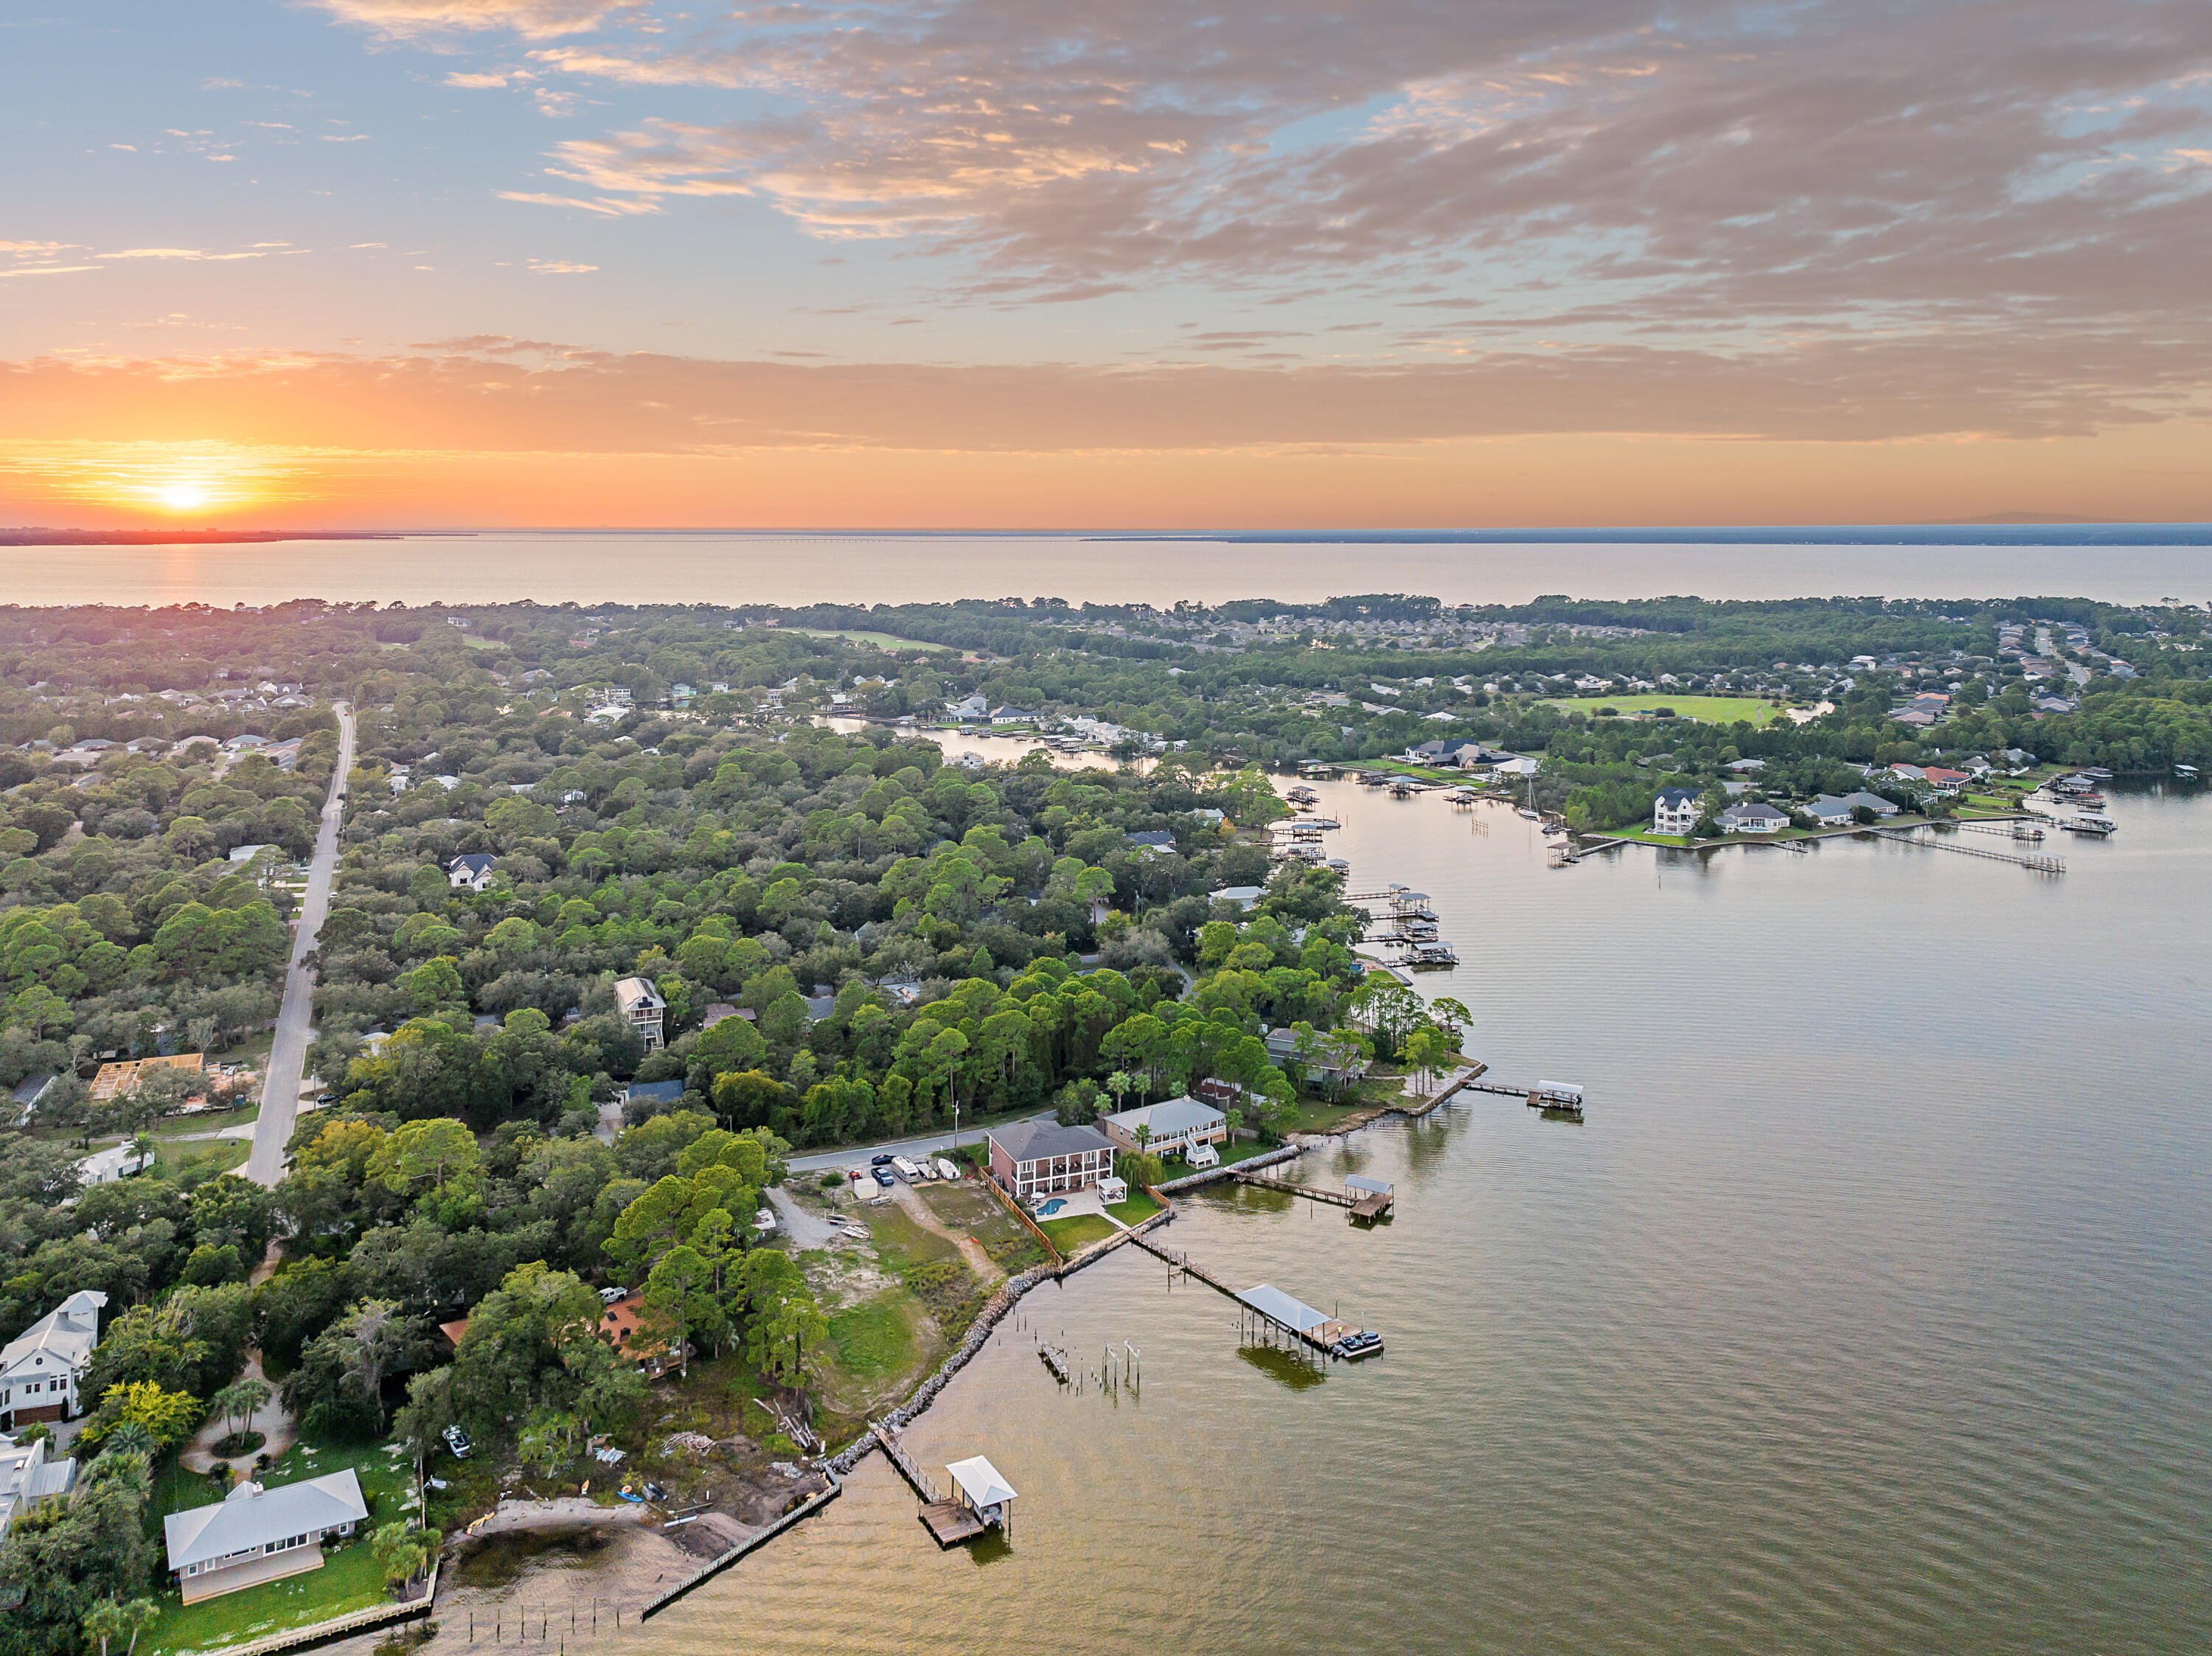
[(472, 395), (475, 83), (49, 269), (344, 137), (36, 249), (613, 207), (199, 255), (533, 19), (560, 267)]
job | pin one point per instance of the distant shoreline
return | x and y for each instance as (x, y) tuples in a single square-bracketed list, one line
[(195, 537)]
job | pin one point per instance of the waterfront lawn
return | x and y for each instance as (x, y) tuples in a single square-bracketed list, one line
[(1071, 1236), (1235, 1150), (875, 1337), (968, 1207), (350, 1579), (1139, 1208)]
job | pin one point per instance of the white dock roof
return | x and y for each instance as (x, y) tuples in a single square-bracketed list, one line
[(1271, 1301), (980, 1482)]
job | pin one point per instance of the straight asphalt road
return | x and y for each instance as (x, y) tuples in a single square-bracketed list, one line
[(859, 1155), (288, 1054)]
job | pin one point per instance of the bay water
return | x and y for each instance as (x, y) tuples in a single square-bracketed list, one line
[(1867, 1312)]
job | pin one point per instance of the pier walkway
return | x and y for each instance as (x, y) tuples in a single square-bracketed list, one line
[(2034, 862), (1365, 1204)]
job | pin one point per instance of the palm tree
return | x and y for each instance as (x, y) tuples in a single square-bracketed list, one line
[(240, 1401)]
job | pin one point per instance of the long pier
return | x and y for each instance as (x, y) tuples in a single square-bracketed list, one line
[(1371, 1205), (1537, 1098), (2036, 862)]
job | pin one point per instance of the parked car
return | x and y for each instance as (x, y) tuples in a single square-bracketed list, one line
[(613, 1295), (881, 1161), (457, 1441), (886, 1178)]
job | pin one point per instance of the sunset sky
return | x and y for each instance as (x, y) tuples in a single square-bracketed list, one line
[(1306, 263)]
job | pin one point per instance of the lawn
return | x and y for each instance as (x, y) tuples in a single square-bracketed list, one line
[(968, 1207), (348, 1580), (1071, 1236), (1139, 1208), (222, 1155), (1705, 709), (881, 641), (874, 1338)]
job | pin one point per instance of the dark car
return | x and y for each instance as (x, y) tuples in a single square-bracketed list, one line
[(881, 1161), (457, 1441), (886, 1178)]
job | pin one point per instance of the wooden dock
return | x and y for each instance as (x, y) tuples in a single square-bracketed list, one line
[(2035, 863), (951, 1523), (1537, 1098), (1056, 1360), (909, 1467), (1367, 1205)]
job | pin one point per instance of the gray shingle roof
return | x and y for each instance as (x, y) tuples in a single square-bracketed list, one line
[(1033, 1141), (252, 1516)]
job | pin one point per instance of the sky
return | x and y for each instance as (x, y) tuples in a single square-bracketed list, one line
[(1256, 264)]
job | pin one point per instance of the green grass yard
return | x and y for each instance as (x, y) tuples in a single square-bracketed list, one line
[(1705, 709), (1139, 1208), (874, 1338), (1071, 1236)]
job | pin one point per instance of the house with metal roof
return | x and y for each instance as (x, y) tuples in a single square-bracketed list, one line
[(1172, 1127), (256, 1534), (41, 1367), (1031, 1158)]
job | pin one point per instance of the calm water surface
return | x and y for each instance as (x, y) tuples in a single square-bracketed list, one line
[(1868, 1312), (592, 566)]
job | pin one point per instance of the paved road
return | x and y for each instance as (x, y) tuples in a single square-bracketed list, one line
[(288, 1054), (859, 1156)]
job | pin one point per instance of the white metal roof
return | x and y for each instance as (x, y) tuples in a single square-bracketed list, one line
[(252, 1516), (1361, 1181), (980, 1482), (1169, 1117), (1271, 1301)]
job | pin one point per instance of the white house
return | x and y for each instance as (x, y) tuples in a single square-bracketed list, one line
[(1014, 716), (1675, 811), (471, 870), (1754, 819), (27, 1477), (40, 1367), (1175, 1126), (1243, 895), (116, 1161), (640, 1003), (974, 706), (255, 1534)]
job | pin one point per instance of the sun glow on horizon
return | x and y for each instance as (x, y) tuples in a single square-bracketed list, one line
[(182, 497)]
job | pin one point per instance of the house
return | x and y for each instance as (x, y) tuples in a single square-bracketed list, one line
[(41, 1367), (1829, 812), (248, 853), (1873, 801), (113, 1080), (1014, 716), (1152, 843), (471, 870), (1914, 717), (122, 1161), (661, 1095), (256, 1534), (1675, 811), (1745, 766), (1172, 1127), (720, 1009), (974, 706), (27, 1477), (1243, 896), (1943, 780), (1029, 1158), (1754, 819), (1450, 750), (640, 1003), (1334, 1061), (618, 1326)]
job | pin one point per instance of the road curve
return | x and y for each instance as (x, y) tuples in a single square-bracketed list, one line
[(288, 1055)]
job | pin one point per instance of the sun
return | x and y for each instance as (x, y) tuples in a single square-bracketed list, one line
[(182, 497)]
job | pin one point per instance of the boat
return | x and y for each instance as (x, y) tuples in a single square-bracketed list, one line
[(1432, 954), (1534, 816), (1363, 1342), (2094, 773), (2089, 823), (2184, 770), (2093, 800)]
